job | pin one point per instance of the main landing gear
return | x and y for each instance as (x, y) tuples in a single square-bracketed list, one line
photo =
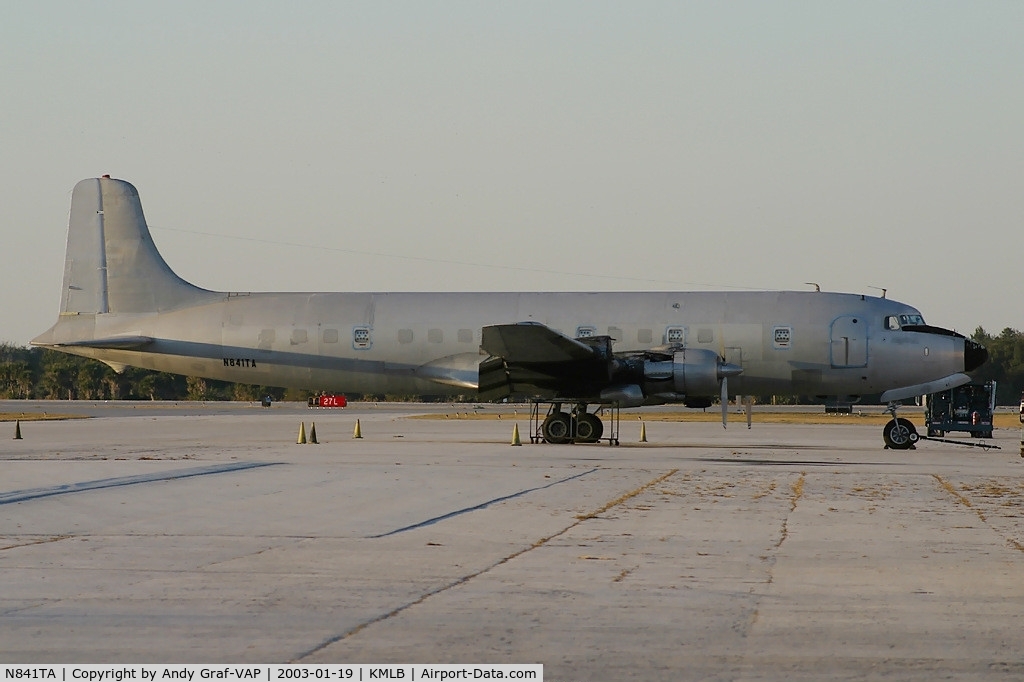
[(899, 433), (575, 426)]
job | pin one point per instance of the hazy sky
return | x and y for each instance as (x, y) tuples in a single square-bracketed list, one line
[(376, 146)]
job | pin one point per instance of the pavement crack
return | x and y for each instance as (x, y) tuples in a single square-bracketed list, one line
[(478, 507), (622, 498), (15, 496), (797, 491), (40, 541)]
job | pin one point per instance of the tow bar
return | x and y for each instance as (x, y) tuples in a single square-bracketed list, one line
[(984, 446)]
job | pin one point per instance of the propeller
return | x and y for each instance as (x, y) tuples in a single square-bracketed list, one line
[(725, 401), (726, 370)]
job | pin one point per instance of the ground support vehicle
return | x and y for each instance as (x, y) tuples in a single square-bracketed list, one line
[(967, 408)]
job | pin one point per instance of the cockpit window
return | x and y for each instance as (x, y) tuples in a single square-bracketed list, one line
[(894, 322), (912, 320)]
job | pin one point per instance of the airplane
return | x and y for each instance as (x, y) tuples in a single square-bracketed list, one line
[(123, 305)]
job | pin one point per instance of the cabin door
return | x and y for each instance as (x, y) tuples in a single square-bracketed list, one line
[(849, 341)]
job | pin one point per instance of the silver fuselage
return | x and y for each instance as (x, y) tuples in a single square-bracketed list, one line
[(122, 304), (786, 342)]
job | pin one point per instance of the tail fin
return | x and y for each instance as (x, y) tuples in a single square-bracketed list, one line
[(112, 264)]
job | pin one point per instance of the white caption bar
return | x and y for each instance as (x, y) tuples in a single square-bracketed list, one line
[(405, 672)]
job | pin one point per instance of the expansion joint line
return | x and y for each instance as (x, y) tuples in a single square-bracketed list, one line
[(960, 497), (964, 500), (501, 562)]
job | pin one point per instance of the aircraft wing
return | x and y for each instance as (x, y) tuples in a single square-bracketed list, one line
[(529, 357), (531, 342), (944, 384)]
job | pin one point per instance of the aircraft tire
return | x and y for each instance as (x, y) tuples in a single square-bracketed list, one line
[(557, 428), (899, 434), (589, 428)]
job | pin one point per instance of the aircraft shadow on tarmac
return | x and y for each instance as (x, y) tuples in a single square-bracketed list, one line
[(793, 462)]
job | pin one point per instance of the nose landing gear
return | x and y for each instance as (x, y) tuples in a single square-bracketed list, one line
[(899, 433)]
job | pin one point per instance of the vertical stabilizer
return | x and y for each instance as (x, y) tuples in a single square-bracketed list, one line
[(112, 265)]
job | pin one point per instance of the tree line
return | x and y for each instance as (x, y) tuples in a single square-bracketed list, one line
[(41, 373), (1005, 364), (44, 374)]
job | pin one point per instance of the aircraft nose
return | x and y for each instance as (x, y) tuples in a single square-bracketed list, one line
[(975, 355)]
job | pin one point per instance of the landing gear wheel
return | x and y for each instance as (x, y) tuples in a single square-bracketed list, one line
[(899, 434), (588, 428), (556, 428)]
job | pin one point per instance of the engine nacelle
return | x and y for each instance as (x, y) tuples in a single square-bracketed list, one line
[(629, 395), (691, 371), (688, 375)]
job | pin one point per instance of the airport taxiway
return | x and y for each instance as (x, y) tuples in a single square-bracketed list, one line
[(204, 533)]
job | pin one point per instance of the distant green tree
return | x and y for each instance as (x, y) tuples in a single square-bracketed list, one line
[(16, 380), (58, 375), (197, 388), (89, 382), (146, 384), (1005, 363)]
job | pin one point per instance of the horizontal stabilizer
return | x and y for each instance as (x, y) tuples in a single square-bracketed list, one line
[(944, 384), (115, 342), (531, 342)]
